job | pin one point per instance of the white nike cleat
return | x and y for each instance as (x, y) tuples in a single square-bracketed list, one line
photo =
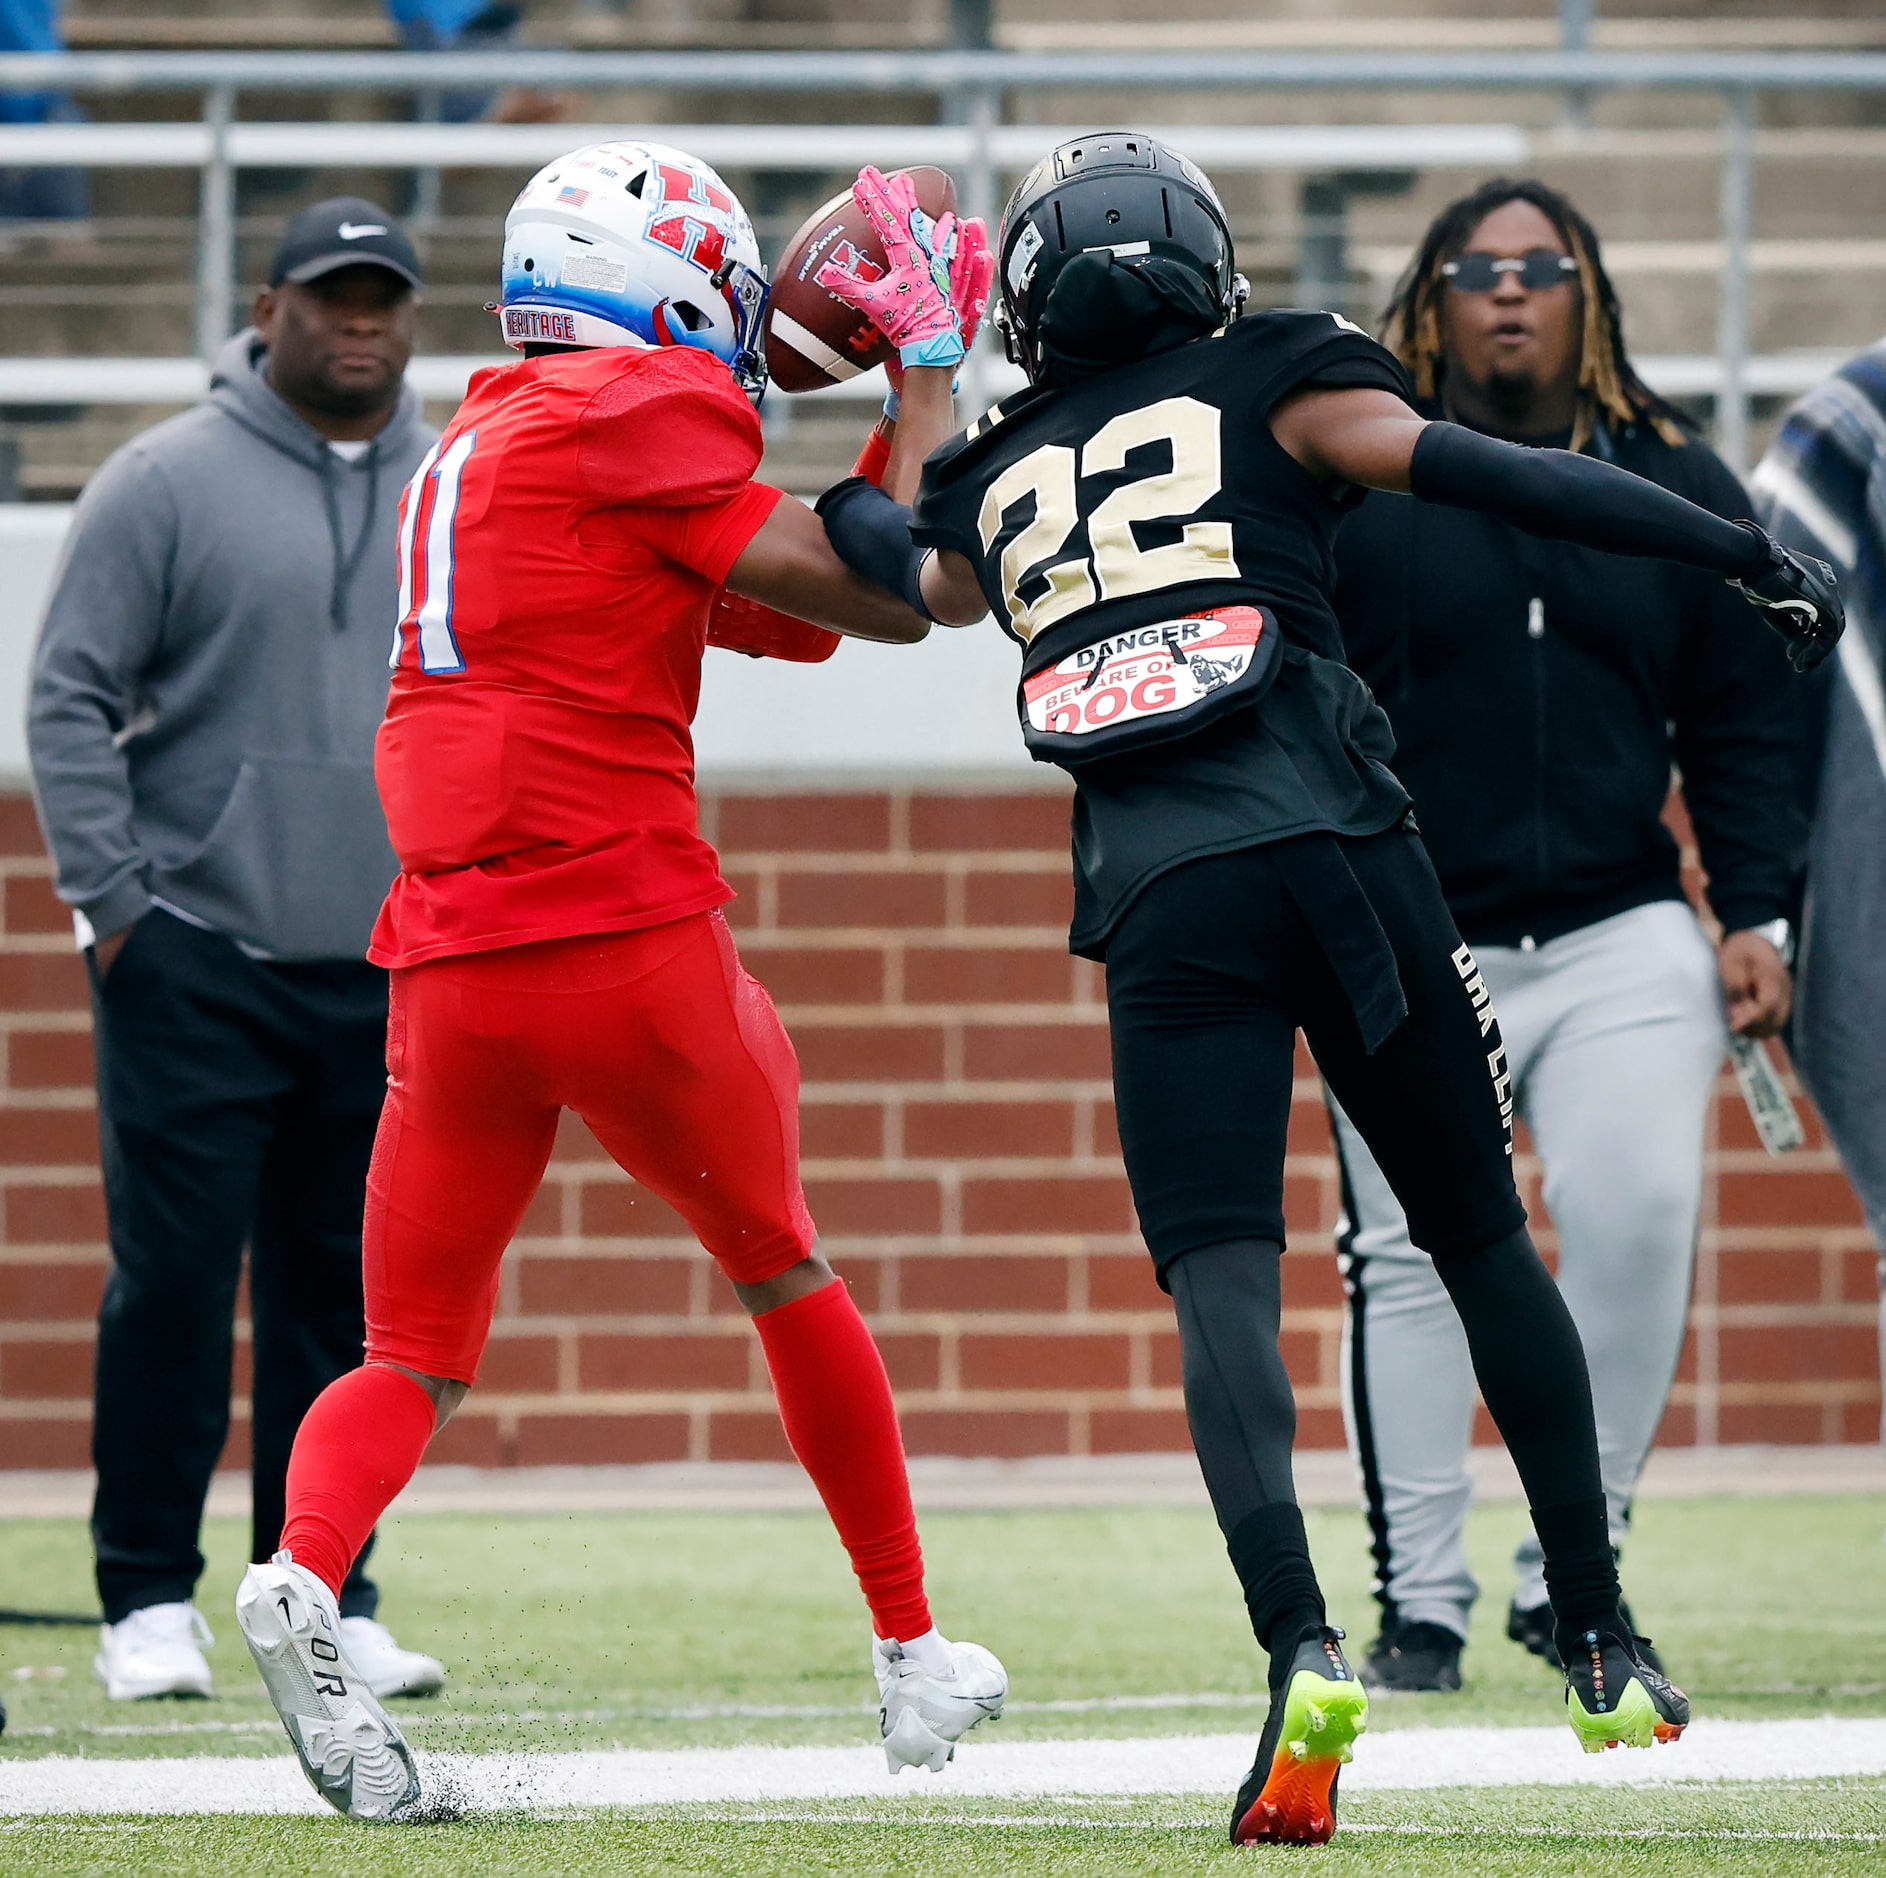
[(155, 1651), (353, 1755), (922, 1713), (384, 1667)]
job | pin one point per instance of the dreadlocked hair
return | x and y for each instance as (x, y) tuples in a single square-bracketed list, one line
[(1608, 385)]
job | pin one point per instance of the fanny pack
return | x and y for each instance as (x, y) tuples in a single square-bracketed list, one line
[(1145, 685)]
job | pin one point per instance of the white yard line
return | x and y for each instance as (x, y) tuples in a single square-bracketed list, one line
[(1400, 1759), (420, 1724)]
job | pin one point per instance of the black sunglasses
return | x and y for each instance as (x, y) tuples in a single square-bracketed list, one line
[(1537, 269)]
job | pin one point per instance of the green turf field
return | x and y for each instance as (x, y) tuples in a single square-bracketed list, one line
[(669, 1631), (1495, 1834)]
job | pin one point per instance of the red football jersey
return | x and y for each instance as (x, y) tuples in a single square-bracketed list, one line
[(560, 548)]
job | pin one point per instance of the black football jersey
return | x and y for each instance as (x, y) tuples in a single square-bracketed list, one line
[(1156, 489), (1129, 508)]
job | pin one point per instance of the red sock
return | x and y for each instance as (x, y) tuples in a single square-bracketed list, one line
[(355, 1449), (835, 1401)]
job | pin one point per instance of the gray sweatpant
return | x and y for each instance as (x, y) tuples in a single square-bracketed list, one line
[(1614, 1034)]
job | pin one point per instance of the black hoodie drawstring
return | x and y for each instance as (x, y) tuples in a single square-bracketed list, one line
[(346, 565)]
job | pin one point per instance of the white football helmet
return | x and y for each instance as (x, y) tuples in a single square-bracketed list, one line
[(634, 244)]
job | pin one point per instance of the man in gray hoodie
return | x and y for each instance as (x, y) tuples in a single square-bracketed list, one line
[(210, 675)]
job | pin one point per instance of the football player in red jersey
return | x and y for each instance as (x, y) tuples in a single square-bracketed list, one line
[(554, 935)]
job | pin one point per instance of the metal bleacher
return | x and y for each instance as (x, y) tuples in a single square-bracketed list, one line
[(1731, 161)]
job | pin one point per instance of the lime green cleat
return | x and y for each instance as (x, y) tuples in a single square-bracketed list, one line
[(1289, 1796), (1614, 1698)]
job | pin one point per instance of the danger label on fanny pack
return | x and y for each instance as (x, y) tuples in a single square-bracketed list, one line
[(1150, 672)]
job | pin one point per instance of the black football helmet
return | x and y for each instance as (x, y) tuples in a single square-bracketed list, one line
[(1119, 190)]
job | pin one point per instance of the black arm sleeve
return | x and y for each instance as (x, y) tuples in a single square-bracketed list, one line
[(871, 534), (1562, 497)]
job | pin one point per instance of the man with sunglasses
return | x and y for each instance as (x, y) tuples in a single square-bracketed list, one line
[(1541, 693)]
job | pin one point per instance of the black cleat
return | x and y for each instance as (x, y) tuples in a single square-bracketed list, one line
[(1645, 1654), (1289, 1796), (1414, 1657), (1614, 1697), (1534, 1630)]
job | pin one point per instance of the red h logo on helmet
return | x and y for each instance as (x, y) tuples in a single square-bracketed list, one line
[(679, 185), (699, 242)]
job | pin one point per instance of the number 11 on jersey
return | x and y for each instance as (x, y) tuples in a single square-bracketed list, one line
[(428, 515)]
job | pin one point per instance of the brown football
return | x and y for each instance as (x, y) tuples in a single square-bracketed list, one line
[(813, 339)]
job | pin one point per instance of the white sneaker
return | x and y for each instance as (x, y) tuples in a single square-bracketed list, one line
[(353, 1755), (384, 1667), (155, 1651), (922, 1715)]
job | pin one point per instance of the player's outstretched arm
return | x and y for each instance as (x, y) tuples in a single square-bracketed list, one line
[(790, 564), (869, 527), (926, 418), (1373, 438)]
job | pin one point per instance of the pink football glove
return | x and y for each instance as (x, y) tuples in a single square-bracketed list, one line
[(972, 274), (911, 305)]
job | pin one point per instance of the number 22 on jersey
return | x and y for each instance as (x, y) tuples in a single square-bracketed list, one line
[(1115, 566), (428, 514)]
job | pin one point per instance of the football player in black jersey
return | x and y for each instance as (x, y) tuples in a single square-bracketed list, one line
[(1151, 520)]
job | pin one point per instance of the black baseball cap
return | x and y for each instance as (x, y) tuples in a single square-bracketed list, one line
[(343, 231)]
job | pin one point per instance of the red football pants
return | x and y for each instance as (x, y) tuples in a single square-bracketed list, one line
[(659, 1040), (677, 1061)]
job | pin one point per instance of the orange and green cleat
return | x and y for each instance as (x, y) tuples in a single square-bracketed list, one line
[(1289, 1796), (1614, 1697)]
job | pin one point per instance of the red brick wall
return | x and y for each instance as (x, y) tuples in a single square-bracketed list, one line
[(961, 1160)]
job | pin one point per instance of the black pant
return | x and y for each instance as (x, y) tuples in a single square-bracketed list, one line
[(237, 1103), (1210, 974), (1209, 977)]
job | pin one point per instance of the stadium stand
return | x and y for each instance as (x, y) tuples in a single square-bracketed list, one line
[(1645, 163)]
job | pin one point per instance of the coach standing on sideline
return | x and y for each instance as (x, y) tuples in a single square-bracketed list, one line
[(210, 674), (1540, 694)]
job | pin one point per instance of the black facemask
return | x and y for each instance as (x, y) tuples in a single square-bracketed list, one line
[(1104, 311)]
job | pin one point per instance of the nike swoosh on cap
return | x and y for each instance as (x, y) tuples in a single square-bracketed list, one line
[(353, 231)]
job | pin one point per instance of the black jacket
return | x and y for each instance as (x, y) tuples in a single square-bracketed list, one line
[(1540, 694)]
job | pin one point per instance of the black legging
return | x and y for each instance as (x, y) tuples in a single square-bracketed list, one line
[(1238, 1402), (1210, 974)]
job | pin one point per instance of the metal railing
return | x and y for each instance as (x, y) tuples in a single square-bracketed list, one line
[(443, 376), (221, 148), (971, 89)]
